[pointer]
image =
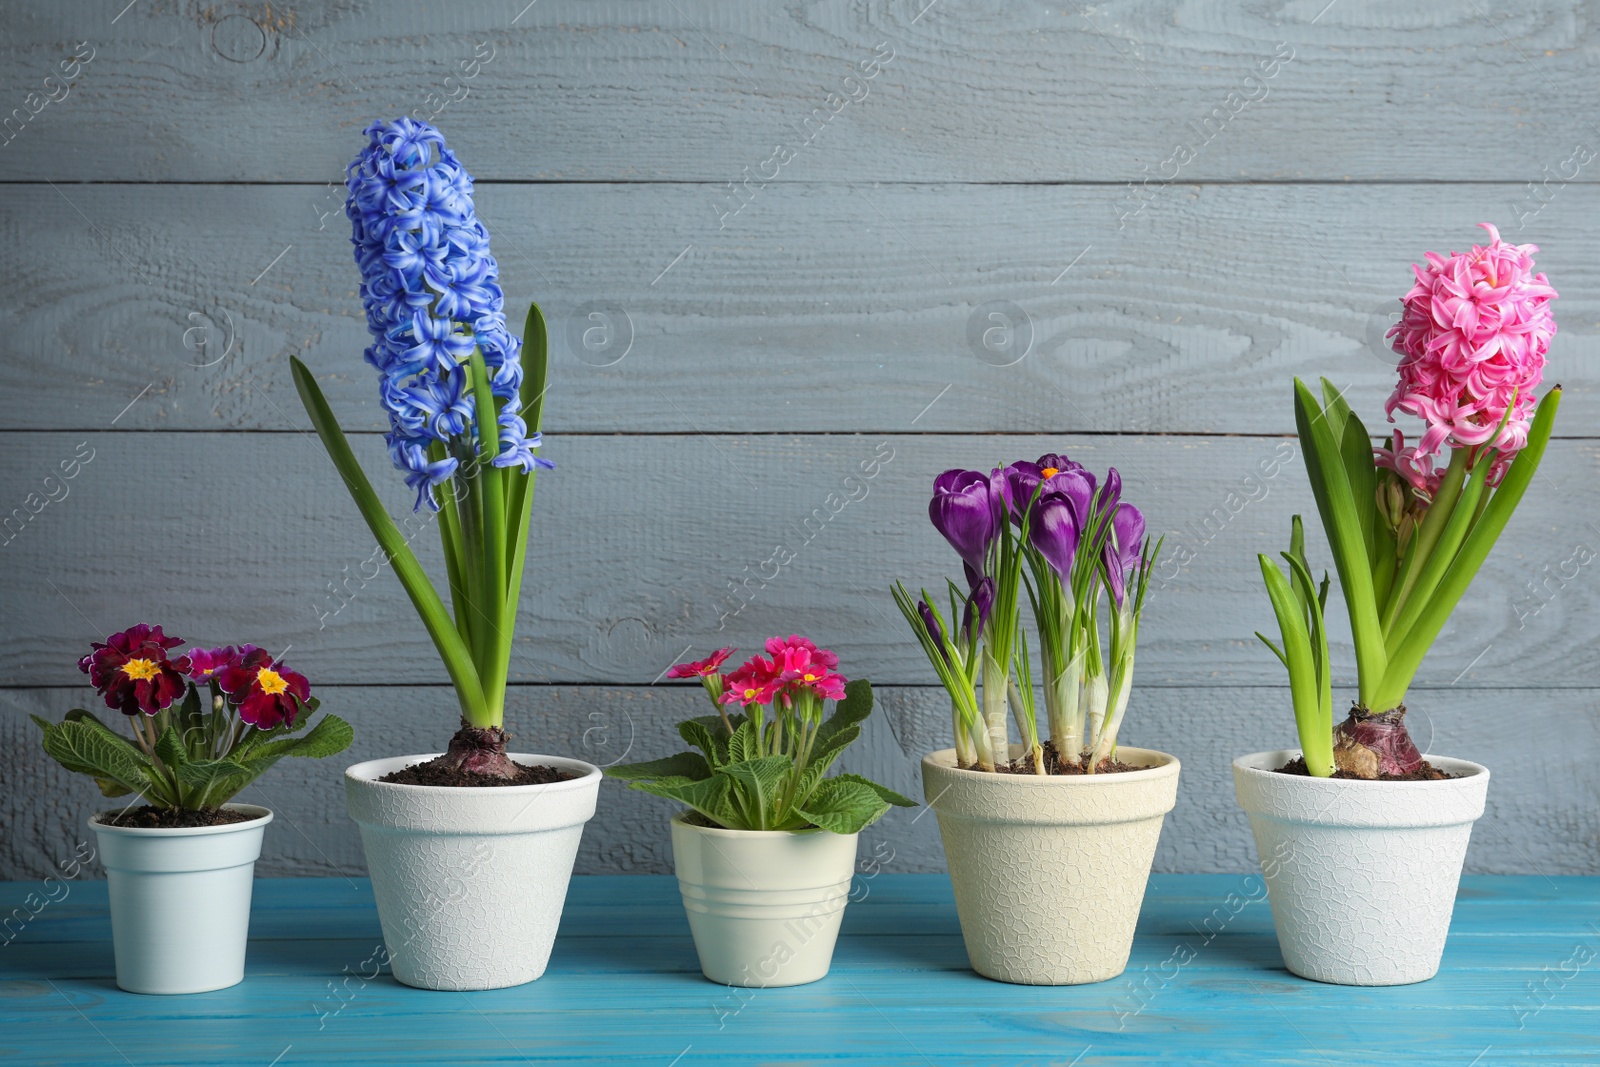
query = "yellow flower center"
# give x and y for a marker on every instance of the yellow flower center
(140, 670)
(749, 694)
(811, 677)
(1049, 472)
(271, 681)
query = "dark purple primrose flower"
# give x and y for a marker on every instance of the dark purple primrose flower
(1124, 545)
(963, 511)
(981, 598)
(931, 621)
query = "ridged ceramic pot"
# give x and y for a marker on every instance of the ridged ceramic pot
(180, 901)
(470, 882)
(1362, 875)
(764, 906)
(1049, 872)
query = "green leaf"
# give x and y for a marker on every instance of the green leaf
(1305, 681)
(1355, 448)
(330, 736)
(689, 765)
(1340, 520)
(89, 718)
(452, 649)
(80, 747)
(202, 773)
(709, 735)
(519, 495)
(170, 749)
(1408, 655)
(742, 744)
(761, 781)
(711, 797)
(884, 792)
(843, 807)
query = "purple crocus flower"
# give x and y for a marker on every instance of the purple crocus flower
(1053, 461)
(982, 599)
(1023, 478)
(1111, 492)
(1124, 546)
(962, 509)
(1054, 528)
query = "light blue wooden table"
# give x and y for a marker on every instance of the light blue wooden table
(1520, 984)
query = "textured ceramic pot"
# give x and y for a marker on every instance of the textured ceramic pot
(470, 882)
(180, 901)
(1050, 872)
(764, 905)
(1362, 875)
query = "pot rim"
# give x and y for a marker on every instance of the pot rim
(364, 774)
(681, 818)
(1263, 765)
(944, 760)
(263, 816)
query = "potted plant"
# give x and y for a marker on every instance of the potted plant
(180, 867)
(470, 851)
(1361, 839)
(1049, 843)
(765, 853)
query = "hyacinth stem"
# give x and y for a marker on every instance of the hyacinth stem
(497, 649)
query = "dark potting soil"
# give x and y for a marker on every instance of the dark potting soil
(430, 774)
(1054, 764)
(1425, 773)
(150, 817)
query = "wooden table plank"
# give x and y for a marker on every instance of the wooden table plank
(900, 992)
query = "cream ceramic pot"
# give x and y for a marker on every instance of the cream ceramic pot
(1049, 871)
(1362, 875)
(764, 906)
(180, 901)
(470, 882)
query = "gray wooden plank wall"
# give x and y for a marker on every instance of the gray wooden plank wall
(171, 232)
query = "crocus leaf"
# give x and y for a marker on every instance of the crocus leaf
(689, 765)
(843, 807)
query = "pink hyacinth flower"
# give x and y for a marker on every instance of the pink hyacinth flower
(1473, 334)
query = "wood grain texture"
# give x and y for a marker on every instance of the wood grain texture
(1540, 818)
(699, 90)
(622, 990)
(839, 307)
(648, 547)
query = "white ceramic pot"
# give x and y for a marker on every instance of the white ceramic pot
(180, 901)
(1362, 875)
(470, 882)
(1049, 871)
(764, 905)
